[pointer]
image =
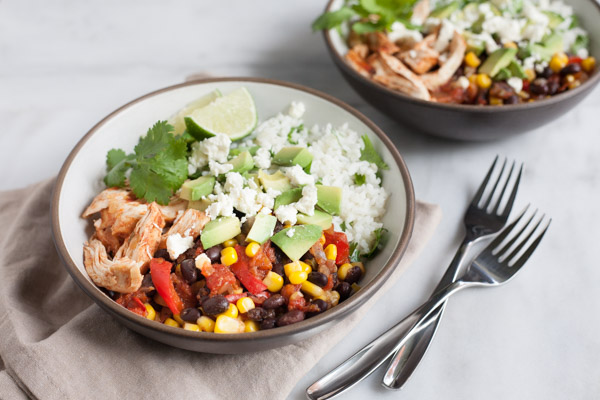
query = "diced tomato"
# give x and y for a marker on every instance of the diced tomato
(133, 303)
(575, 60)
(329, 285)
(526, 84)
(220, 279)
(260, 264)
(161, 278)
(184, 291)
(340, 240)
(296, 301)
(260, 297)
(234, 297)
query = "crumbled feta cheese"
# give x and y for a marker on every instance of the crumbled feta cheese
(202, 261)
(296, 110)
(298, 177)
(398, 31)
(286, 213)
(444, 36)
(463, 82)
(307, 202)
(290, 232)
(508, 29)
(219, 169)
(515, 83)
(262, 159)
(534, 32)
(533, 14)
(215, 148)
(529, 63)
(177, 244)
(233, 181)
(267, 200)
(222, 204)
(583, 53)
(570, 36)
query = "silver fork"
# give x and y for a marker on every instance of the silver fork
(479, 222)
(494, 266)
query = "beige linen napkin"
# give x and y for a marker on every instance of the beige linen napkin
(55, 343)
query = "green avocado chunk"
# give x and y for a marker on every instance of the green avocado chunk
(262, 229)
(288, 197)
(200, 205)
(195, 189)
(289, 156)
(220, 230)
(445, 11)
(277, 181)
(497, 60)
(243, 162)
(319, 218)
(302, 238)
(329, 199)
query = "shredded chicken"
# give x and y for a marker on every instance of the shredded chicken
(420, 12)
(415, 86)
(359, 64)
(120, 275)
(190, 223)
(457, 48)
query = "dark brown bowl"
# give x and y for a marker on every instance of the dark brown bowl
(469, 122)
(81, 175)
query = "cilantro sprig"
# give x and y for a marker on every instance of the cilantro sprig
(157, 168)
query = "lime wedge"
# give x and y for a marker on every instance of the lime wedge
(233, 115)
(177, 119)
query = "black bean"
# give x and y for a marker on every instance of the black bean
(189, 271)
(147, 281)
(278, 268)
(290, 317)
(112, 295)
(162, 253)
(570, 69)
(190, 253)
(539, 86)
(322, 304)
(317, 278)
(190, 314)
(238, 213)
(214, 253)
(353, 275)
(215, 305)
(344, 289)
(278, 227)
(274, 302)
(514, 99)
(546, 73)
(270, 313)
(268, 323)
(202, 295)
(256, 314)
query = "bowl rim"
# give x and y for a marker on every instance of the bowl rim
(589, 84)
(325, 318)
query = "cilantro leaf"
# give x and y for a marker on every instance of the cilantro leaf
(359, 179)
(370, 154)
(354, 252)
(343, 226)
(158, 166)
(332, 19)
(378, 243)
(292, 131)
(367, 27)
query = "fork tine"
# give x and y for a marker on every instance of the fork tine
(516, 236)
(512, 197)
(502, 235)
(519, 263)
(524, 241)
(479, 194)
(489, 200)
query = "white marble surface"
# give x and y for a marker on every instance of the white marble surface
(66, 64)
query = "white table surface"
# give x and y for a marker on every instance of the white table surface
(66, 64)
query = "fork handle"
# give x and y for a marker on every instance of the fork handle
(407, 357)
(369, 358)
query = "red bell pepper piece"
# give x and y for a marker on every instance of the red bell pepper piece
(234, 297)
(340, 240)
(161, 278)
(241, 270)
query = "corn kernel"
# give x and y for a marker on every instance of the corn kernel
(574, 84)
(297, 277)
(322, 239)
(273, 281)
(231, 311)
(150, 312)
(343, 270)
(205, 324)
(230, 243)
(178, 319)
(511, 45)
(252, 249)
(495, 101)
(314, 290)
(287, 225)
(483, 81)
(304, 267)
(558, 62)
(228, 256)
(355, 287)
(570, 78)
(472, 60)
(331, 252)
(171, 322)
(334, 298)
(191, 327)
(291, 267)
(588, 64)
(251, 326)
(473, 79)
(530, 74)
(245, 304)
(225, 324)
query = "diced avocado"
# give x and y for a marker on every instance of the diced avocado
(503, 74)
(497, 60)
(220, 230)
(517, 70)
(495, 9)
(445, 10)
(252, 150)
(554, 19)
(251, 177)
(329, 199)
(476, 46)
(243, 162)
(554, 43)
(288, 197)
(277, 181)
(262, 229)
(199, 205)
(299, 242)
(581, 42)
(289, 156)
(194, 189)
(318, 218)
